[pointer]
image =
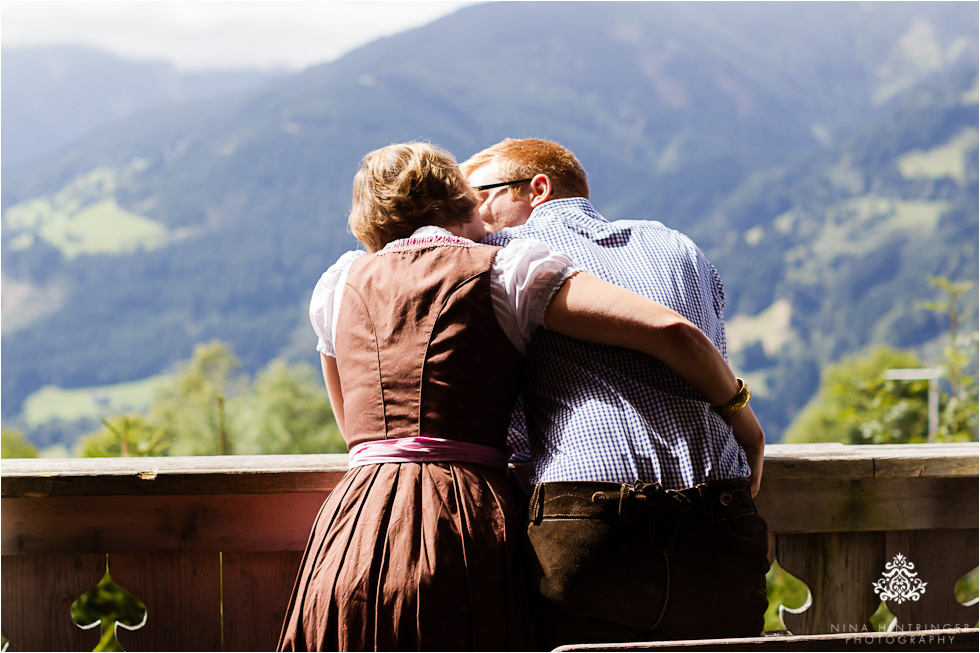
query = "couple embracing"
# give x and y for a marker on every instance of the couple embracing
(497, 316)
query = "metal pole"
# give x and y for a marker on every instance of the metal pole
(932, 375)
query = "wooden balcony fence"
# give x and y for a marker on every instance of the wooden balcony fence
(211, 545)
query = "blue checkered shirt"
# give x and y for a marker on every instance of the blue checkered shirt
(597, 413)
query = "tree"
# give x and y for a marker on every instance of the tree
(13, 445)
(857, 405)
(191, 407)
(288, 411)
(206, 408)
(125, 435)
(958, 420)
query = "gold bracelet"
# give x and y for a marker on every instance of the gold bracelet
(737, 403)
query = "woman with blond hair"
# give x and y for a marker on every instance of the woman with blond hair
(421, 338)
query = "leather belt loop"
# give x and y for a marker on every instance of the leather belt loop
(706, 505)
(624, 501)
(536, 512)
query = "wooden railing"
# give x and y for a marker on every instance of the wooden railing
(211, 545)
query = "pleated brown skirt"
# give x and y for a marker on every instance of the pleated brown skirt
(414, 556)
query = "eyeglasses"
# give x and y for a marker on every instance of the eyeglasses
(501, 183)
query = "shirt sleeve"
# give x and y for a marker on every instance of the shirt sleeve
(325, 304)
(524, 277)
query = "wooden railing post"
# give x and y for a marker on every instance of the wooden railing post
(181, 592)
(257, 576)
(840, 514)
(38, 591)
(180, 532)
(941, 557)
(839, 569)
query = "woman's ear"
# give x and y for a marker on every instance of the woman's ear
(540, 190)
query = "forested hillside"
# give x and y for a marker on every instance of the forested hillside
(824, 155)
(832, 253)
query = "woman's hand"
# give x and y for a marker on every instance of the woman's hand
(749, 434)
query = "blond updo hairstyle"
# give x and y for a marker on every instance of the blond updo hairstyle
(402, 187)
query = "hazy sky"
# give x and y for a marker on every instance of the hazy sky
(215, 34)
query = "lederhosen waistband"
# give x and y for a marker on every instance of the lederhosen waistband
(704, 503)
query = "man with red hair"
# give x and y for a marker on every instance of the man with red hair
(642, 524)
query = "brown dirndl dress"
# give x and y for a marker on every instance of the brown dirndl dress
(419, 556)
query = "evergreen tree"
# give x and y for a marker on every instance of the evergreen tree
(191, 408)
(207, 408)
(857, 405)
(288, 411)
(14, 445)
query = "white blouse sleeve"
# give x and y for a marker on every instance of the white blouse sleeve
(525, 275)
(325, 304)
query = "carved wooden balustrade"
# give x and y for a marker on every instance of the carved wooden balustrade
(211, 545)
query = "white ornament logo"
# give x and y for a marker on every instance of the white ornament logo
(899, 582)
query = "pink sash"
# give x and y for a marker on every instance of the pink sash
(425, 450)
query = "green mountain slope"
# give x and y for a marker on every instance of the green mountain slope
(711, 117)
(844, 242)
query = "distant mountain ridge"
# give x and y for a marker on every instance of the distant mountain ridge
(752, 127)
(56, 95)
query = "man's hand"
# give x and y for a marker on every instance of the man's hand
(749, 434)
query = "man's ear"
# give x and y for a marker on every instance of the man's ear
(540, 190)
